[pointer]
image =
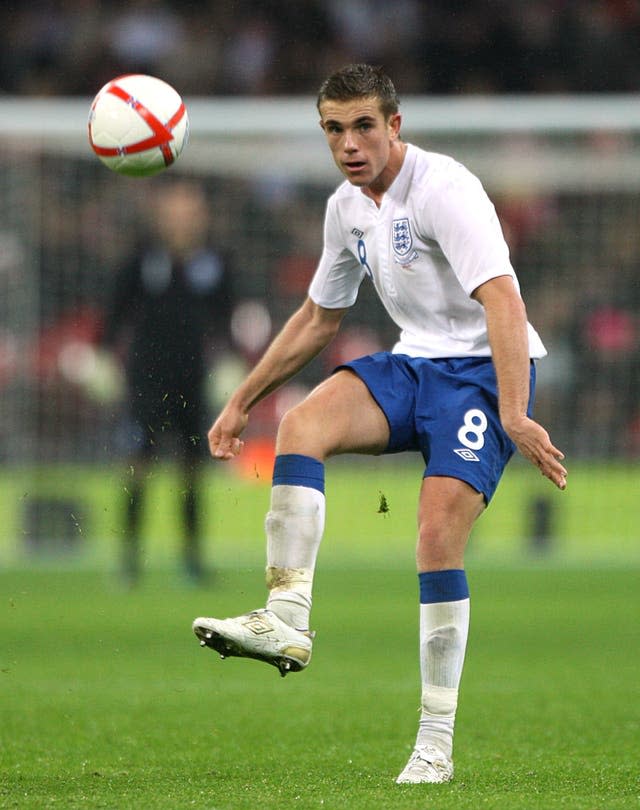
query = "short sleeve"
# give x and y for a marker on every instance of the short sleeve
(339, 274)
(466, 226)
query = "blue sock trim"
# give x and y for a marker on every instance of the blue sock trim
(443, 586)
(298, 471)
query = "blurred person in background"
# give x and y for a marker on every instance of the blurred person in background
(171, 308)
(457, 387)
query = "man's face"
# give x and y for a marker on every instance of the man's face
(182, 217)
(359, 137)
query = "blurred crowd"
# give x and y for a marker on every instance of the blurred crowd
(270, 47)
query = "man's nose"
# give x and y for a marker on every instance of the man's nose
(350, 144)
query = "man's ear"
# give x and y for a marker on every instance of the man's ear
(395, 122)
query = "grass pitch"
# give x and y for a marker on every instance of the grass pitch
(107, 701)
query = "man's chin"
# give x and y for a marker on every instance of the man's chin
(358, 182)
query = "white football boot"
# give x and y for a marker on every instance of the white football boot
(259, 634)
(427, 764)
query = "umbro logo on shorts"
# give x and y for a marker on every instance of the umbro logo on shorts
(466, 454)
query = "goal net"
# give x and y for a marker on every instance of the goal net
(564, 174)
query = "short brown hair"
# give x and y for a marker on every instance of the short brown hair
(360, 81)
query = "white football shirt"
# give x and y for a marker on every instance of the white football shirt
(435, 238)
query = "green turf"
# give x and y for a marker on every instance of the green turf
(595, 520)
(108, 702)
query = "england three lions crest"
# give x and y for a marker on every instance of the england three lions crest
(402, 241)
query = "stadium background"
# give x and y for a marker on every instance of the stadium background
(541, 102)
(105, 698)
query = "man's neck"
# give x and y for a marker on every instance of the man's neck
(383, 182)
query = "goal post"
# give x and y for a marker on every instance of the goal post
(225, 131)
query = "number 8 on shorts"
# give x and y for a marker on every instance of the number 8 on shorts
(471, 434)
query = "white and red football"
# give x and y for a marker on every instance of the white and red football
(138, 125)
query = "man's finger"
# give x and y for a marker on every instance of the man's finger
(227, 449)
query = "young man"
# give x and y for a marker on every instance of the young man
(457, 387)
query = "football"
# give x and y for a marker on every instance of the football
(138, 125)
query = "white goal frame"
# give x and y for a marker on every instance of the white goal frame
(533, 141)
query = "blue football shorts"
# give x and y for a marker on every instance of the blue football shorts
(447, 409)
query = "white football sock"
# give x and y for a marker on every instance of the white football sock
(294, 526)
(444, 627)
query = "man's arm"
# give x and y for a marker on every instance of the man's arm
(507, 328)
(303, 336)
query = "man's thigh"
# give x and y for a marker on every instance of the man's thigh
(338, 416)
(458, 424)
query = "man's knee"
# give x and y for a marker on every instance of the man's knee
(295, 422)
(299, 431)
(439, 547)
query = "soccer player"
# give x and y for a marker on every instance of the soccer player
(172, 302)
(457, 386)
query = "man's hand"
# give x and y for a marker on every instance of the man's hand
(303, 336)
(224, 436)
(533, 441)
